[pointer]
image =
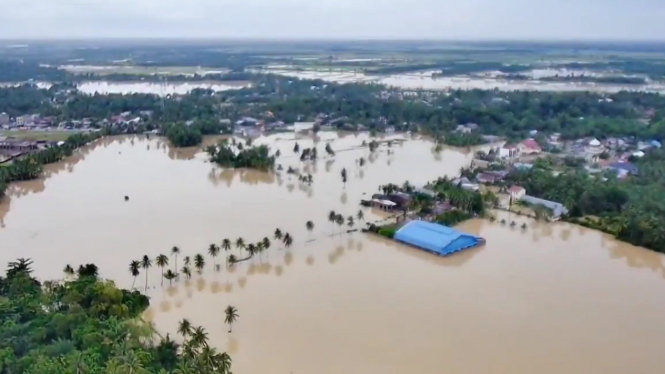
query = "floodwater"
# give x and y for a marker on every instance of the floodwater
(160, 89)
(551, 299)
(424, 80)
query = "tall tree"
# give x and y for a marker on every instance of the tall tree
(251, 249)
(175, 251)
(231, 315)
(344, 176)
(187, 261)
(162, 261)
(288, 240)
(265, 243)
(278, 234)
(199, 262)
(339, 220)
(134, 270)
(240, 244)
(199, 337)
(170, 275)
(360, 215)
(309, 225)
(226, 245)
(146, 264)
(187, 271)
(213, 251)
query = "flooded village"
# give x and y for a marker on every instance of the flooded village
(525, 292)
(331, 213)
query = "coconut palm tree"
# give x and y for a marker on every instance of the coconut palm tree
(309, 225)
(332, 216)
(360, 215)
(350, 221)
(162, 261)
(187, 260)
(278, 234)
(68, 270)
(133, 270)
(146, 264)
(240, 244)
(339, 220)
(512, 224)
(185, 366)
(175, 251)
(184, 328)
(208, 358)
(170, 275)
(213, 251)
(232, 259)
(265, 243)
(344, 176)
(288, 240)
(524, 226)
(251, 249)
(131, 364)
(226, 245)
(503, 221)
(199, 262)
(224, 363)
(231, 315)
(199, 337)
(187, 271)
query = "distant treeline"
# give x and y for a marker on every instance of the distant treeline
(16, 71)
(581, 78)
(118, 77)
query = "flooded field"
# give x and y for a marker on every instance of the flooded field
(424, 80)
(171, 88)
(551, 299)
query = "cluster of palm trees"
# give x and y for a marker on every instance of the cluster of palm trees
(199, 260)
(198, 354)
(336, 218)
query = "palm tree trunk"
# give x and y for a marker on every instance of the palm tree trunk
(146, 279)
(162, 275)
(133, 282)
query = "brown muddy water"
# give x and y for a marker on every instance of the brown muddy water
(554, 298)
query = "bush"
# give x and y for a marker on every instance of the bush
(453, 217)
(388, 232)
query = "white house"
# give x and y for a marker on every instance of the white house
(517, 192)
(509, 151)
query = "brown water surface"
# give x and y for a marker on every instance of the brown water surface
(553, 298)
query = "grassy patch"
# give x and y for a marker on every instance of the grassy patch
(38, 135)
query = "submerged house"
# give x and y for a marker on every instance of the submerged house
(437, 239)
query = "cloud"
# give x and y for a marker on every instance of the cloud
(431, 19)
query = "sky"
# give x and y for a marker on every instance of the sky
(335, 19)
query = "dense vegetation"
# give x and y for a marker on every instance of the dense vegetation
(235, 155)
(462, 139)
(509, 114)
(632, 210)
(86, 325)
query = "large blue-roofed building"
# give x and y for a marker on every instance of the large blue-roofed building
(438, 239)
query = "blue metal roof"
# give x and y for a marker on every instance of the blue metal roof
(435, 238)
